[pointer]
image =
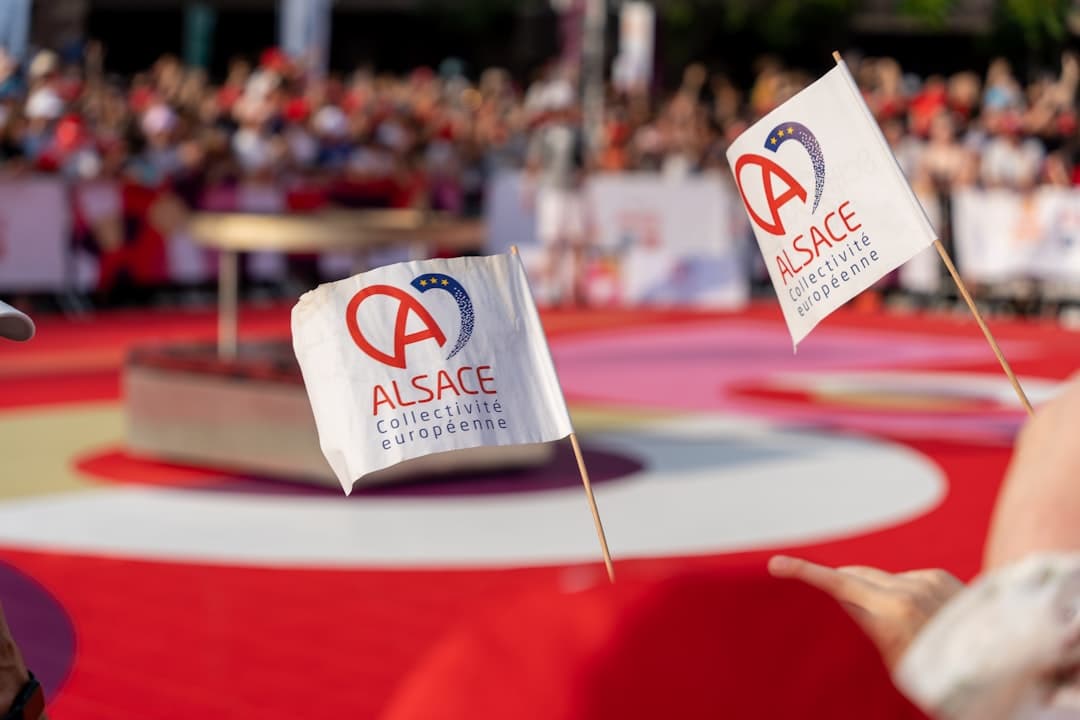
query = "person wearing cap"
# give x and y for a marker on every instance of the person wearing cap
(20, 693)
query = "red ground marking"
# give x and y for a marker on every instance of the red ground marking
(117, 466)
(170, 640)
(173, 640)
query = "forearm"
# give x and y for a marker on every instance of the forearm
(1038, 507)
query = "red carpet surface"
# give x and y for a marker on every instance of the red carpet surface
(715, 447)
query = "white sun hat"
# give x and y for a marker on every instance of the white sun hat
(15, 325)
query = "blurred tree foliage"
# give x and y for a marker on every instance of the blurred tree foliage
(515, 34)
(783, 21)
(697, 29)
(730, 33)
(470, 15)
(1039, 24)
(933, 14)
(780, 22)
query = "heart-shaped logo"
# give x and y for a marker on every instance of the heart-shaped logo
(408, 304)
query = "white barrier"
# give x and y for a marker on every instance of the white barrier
(652, 240)
(35, 224)
(667, 241)
(509, 213)
(1002, 235)
(922, 273)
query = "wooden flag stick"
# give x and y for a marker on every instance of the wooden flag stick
(592, 506)
(982, 326)
(975, 311)
(588, 488)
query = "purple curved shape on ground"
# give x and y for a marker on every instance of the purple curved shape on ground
(560, 472)
(40, 625)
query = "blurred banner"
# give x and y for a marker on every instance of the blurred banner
(34, 229)
(304, 32)
(664, 241)
(652, 240)
(1002, 235)
(922, 274)
(509, 213)
(633, 66)
(15, 27)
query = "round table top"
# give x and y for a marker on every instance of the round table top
(333, 230)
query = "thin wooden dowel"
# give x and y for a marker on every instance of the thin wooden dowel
(982, 326)
(975, 311)
(592, 506)
(588, 488)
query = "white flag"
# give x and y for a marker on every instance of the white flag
(424, 357)
(831, 209)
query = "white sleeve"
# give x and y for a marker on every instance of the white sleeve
(1008, 646)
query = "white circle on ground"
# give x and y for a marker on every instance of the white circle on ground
(709, 484)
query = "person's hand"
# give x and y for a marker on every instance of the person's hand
(13, 672)
(890, 608)
(1038, 507)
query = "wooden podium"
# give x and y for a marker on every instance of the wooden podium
(356, 231)
(242, 407)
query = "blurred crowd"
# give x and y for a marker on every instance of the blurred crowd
(946, 132)
(140, 151)
(370, 139)
(434, 136)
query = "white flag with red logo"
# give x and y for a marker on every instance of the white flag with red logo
(425, 357)
(830, 208)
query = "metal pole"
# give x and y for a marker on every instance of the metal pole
(304, 32)
(228, 299)
(593, 72)
(15, 27)
(199, 19)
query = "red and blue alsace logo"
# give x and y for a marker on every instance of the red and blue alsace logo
(425, 387)
(779, 187)
(410, 305)
(771, 172)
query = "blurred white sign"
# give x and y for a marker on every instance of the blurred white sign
(664, 242)
(633, 66)
(1001, 235)
(651, 240)
(35, 224)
